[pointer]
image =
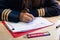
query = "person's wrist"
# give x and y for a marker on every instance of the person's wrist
(21, 16)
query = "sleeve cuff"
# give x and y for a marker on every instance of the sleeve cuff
(41, 12)
(37, 12)
(14, 16)
(9, 15)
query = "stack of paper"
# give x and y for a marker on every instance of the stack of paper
(38, 22)
(21, 28)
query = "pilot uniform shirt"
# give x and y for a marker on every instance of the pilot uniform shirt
(10, 9)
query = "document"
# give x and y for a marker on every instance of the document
(38, 22)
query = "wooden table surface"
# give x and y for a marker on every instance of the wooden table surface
(5, 35)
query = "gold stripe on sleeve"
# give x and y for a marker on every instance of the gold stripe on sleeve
(4, 14)
(41, 12)
(8, 15)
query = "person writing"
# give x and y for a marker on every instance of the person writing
(26, 10)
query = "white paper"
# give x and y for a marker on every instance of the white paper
(38, 22)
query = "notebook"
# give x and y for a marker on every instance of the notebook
(38, 22)
(19, 34)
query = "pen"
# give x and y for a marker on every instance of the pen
(57, 23)
(41, 34)
(58, 26)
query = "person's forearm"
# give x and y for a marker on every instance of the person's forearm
(9, 15)
(51, 9)
(6, 14)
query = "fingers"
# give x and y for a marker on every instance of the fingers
(26, 17)
(30, 15)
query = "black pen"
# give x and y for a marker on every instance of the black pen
(58, 26)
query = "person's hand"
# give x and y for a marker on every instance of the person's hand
(26, 17)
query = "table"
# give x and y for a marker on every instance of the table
(5, 35)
